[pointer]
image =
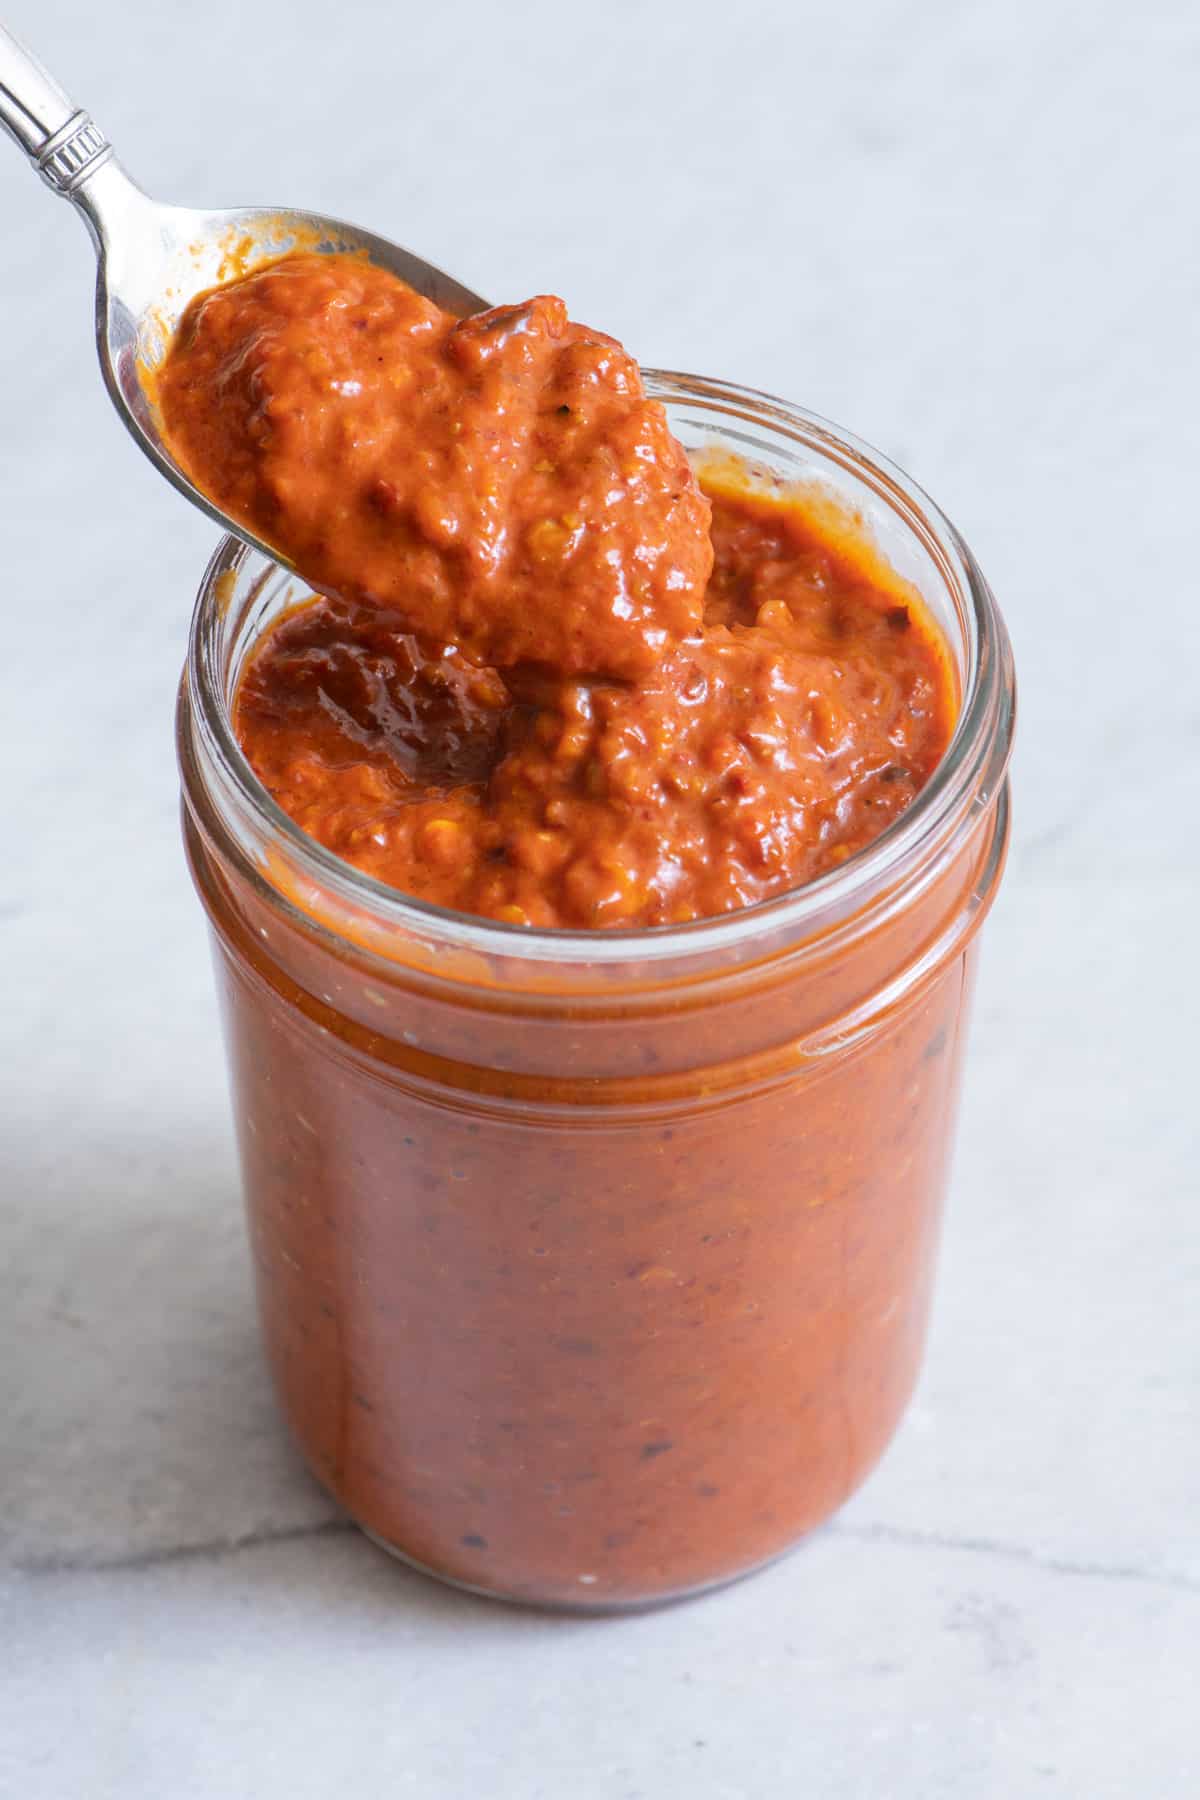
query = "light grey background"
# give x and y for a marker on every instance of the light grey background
(967, 231)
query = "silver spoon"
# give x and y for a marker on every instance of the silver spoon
(153, 258)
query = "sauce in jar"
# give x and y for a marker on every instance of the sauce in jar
(788, 733)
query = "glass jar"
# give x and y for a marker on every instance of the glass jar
(594, 1268)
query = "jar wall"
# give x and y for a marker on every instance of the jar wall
(594, 1356)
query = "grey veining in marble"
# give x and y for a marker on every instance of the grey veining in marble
(968, 232)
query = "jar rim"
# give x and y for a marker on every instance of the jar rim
(970, 773)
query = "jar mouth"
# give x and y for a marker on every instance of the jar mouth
(966, 781)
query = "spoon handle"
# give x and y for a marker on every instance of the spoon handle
(61, 142)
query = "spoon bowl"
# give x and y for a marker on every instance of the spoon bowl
(153, 259)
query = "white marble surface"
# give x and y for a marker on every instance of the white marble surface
(969, 232)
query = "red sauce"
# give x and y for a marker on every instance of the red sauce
(500, 482)
(541, 690)
(588, 1301)
(760, 752)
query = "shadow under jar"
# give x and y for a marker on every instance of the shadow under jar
(594, 1268)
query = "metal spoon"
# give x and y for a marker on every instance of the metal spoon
(153, 258)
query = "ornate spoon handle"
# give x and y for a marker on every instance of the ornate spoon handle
(61, 142)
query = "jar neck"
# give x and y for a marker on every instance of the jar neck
(451, 1018)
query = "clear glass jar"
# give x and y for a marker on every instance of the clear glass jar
(594, 1268)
